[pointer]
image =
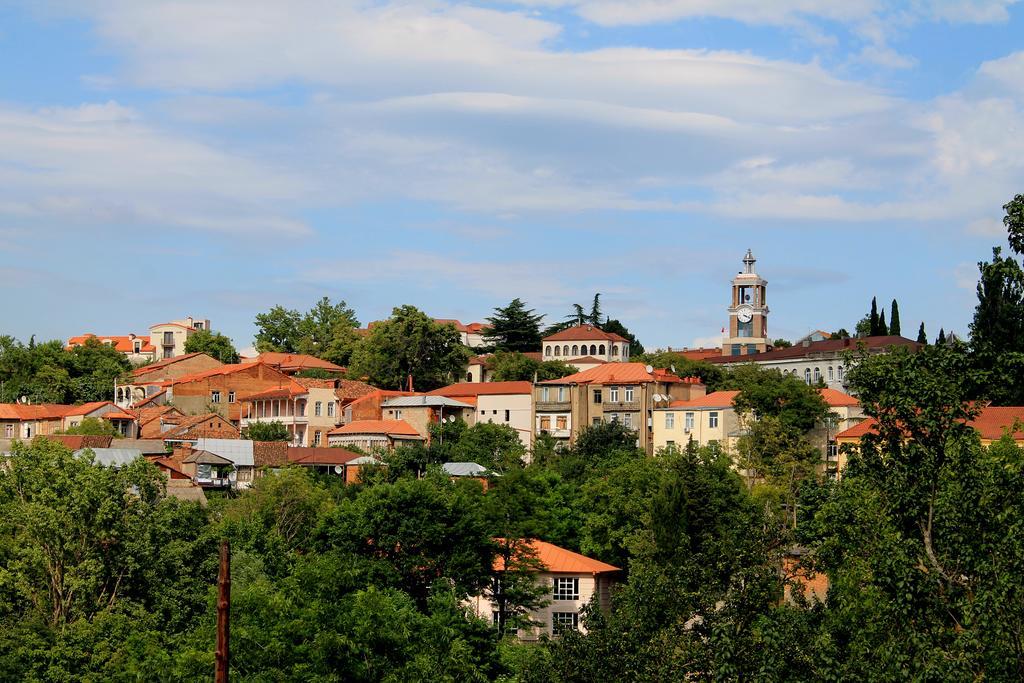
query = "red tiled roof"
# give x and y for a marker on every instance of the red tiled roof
(561, 561)
(838, 399)
(826, 346)
(472, 328)
(585, 360)
(716, 399)
(86, 408)
(584, 333)
(622, 373)
(118, 415)
(270, 453)
(858, 430)
(170, 464)
(350, 388)
(288, 391)
(213, 372)
(39, 411)
(191, 427)
(124, 344)
(296, 361)
(160, 364)
(316, 455)
(990, 424)
(388, 427)
(483, 389)
(77, 441)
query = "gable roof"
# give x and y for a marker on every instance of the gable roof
(990, 423)
(318, 455)
(238, 451)
(471, 328)
(228, 369)
(584, 360)
(838, 399)
(33, 411)
(463, 389)
(269, 453)
(827, 346)
(584, 333)
(192, 427)
(388, 427)
(206, 458)
(621, 373)
(296, 361)
(558, 560)
(123, 343)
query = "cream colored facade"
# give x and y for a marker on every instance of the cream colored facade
(596, 347)
(514, 410)
(704, 424)
(169, 338)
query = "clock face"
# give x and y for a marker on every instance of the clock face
(744, 314)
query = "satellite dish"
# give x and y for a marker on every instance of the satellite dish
(673, 368)
(338, 469)
(24, 399)
(649, 369)
(658, 398)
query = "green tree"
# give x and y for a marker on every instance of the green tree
(782, 343)
(768, 393)
(517, 367)
(410, 344)
(841, 333)
(496, 447)
(941, 339)
(873, 318)
(894, 319)
(266, 431)
(514, 328)
(278, 330)
(1014, 222)
(328, 331)
(712, 376)
(997, 331)
(595, 311)
(213, 344)
(616, 327)
(922, 338)
(94, 426)
(882, 329)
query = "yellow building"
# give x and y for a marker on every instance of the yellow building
(703, 420)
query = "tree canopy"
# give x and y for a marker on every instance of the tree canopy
(47, 373)
(213, 344)
(327, 331)
(514, 328)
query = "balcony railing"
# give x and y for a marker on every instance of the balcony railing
(609, 406)
(213, 482)
(553, 406)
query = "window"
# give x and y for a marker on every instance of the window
(832, 451)
(545, 394)
(751, 349)
(547, 350)
(561, 422)
(817, 375)
(615, 349)
(627, 419)
(561, 393)
(168, 353)
(745, 329)
(597, 395)
(575, 350)
(613, 394)
(231, 397)
(545, 423)
(564, 621)
(28, 431)
(276, 408)
(558, 350)
(625, 351)
(736, 349)
(613, 418)
(670, 444)
(168, 339)
(483, 412)
(629, 394)
(318, 408)
(600, 350)
(330, 410)
(508, 415)
(566, 588)
(214, 397)
(713, 420)
(807, 375)
(688, 421)
(840, 372)
(8, 431)
(396, 413)
(670, 420)
(137, 346)
(596, 421)
(316, 438)
(593, 349)
(565, 350)
(74, 423)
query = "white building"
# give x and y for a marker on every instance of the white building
(506, 403)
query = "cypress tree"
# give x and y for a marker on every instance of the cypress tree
(883, 329)
(873, 318)
(922, 338)
(941, 339)
(894, 319)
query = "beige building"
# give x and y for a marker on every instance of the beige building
(626, 393)
(373, 435)
(585, 342)
(421, 411)
(169, 338)
(572, 581)
(702, 420)
(506, 403)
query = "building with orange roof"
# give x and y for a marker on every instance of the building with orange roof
(614, 392)
(581, 341)
(371, 435)
(148, 381)
(505, 403)
(572, 580)
(471, 334)
(136, 348)
(169, 338)
(222, 389)
(293, 363)
(26, 421)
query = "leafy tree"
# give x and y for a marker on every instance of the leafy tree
(841, 333)
(769, 393)
(712, 376)
(326, 331)
(514, 328)
(595, 311)
(496, 447)
(410, 344)
(616, 327)
(779, 460)
(863, 328)
(278, 330)
(213, 344)
(782, 343)
(922, 338)
(1014, 222)
(997, 331)
(894, 319)
(516, 367)
(94, 426)
(267, 431)
(47, 373)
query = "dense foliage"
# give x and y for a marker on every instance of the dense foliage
(515, 366)
(213, 344)
(48, 373)
(514, 328)
(327, 331)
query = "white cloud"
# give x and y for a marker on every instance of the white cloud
(988, 227)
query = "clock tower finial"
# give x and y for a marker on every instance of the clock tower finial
(748, 314)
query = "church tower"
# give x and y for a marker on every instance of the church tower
(748, 314)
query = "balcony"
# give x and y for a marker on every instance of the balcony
(560, 433)
(620, 406)
(283, 419)
(554, 406)
(213, 482)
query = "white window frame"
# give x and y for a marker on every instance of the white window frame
(318, 408)
(688, 421)
(713, 419)
(627, 419)
(670, 420)
(613, 394)
(330, 409)
(565, 588)
(628, 395)
(215, 396)
(564, 621)
(231, 397)
(561, 394)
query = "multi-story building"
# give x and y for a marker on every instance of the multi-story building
(222, 389)
(137, 349)
(169, 338)
(27, 421)
(585, 342)
(421, 411)
(702, 420)
(472, 335)
(507, 403)
(626, 393)
(149, 380)
(373, 435)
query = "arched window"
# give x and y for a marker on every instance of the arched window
(575, 350)
(469, 376)
(615, 349)
(841, 372)
(600, 349)
(565, 350)
(547, 350)
(830, 374)
(120, 395)
(558, 350)
(807, 375)
(817, 375)
(625, 350)
(593, 349)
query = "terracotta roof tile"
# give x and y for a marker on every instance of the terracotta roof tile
(269, 453)
(826, 346)
(991, 423)
(160, 364)
(317, 455)
(585, 333)
(838, 399)
(296, 362)
(124, 344)
(621, 373)
(561, 561)
(389, 427)
(716, 399)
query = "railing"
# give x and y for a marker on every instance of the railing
(553, 406)
(214, 482)
(608, 406)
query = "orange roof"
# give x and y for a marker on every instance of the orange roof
(124, 344)
(716, 399)
(288, 391)
(858, 430)
(145, 369)
(296, 361)
(170, 464)
(584, 360)
(317, 455)
(222, 370)
(39, 411)
(584, 333)
(86, 408)
(838, 399)
(388, 427)
(621, 373)
(471, 327)
(561, 561)
(118, 415)
(483, 389)
(990, 424)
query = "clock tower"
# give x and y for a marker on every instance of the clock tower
(748, 314)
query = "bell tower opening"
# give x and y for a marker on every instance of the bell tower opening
(748, 314)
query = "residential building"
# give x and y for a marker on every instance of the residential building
(149, 381)
(26, 421)
(168, 339)
(191, 428)
(137, 349)
(337, 461)
(572, 580)
(287, 404)
(703, 420)
(585, 341)
(507, 403)
(222, 389)
(421, 411)
(815, 336)
(293, 363)
(826, 361)
(471, 335)
(747, 333)
(111, 457)
(155, 420)
(308, 407)
(371, 435)
(368, 406)
(613, 392)
(846, 412)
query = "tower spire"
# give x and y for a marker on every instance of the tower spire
(748, 262)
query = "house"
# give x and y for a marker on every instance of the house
(573, 579)
(155, 420)
(991, 423)
(815, 336)
(241, 453)
(614, 392)
(222, 389)
(582, 341)
(191, 428)
(169, 338)
(308, 407)
(293, 363)
(370, 435)
(26, 421)
(149, 380)
(368, 406)
(469, 470)
(419, 412)
(136, 348)
(336, 461)
(149, 448)
(507, 403)
(823, 361)
(703, 420)
(471, 335)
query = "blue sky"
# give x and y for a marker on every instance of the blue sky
(160, 159)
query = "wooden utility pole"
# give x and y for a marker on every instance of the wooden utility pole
(223, 612)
